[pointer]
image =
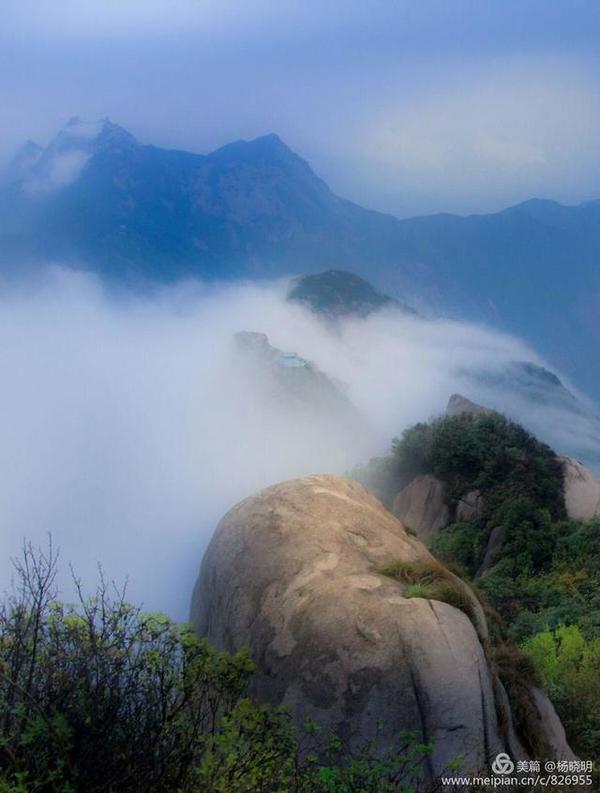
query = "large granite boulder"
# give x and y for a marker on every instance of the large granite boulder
(292, 574)
(421, 506)
(581, 489)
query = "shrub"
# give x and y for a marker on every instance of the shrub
(457, 595)
(520, 480)
(462, 544)
(485, 452)
(419, 591)
(569, 665)
(518, 674)
(556, 583)
(428, 579)
(100, 696)
(103, 696)
(422, 571)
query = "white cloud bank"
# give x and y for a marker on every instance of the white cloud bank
(128, 427)
(487, 137)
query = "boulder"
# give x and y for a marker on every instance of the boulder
(292, 574)
(581, 489)
(493, 549)
(470, 506)
(421, 506)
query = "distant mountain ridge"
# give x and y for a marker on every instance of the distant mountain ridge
(97, 198)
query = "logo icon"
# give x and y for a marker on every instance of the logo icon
(503, 764)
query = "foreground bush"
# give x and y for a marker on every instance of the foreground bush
(570, 668)
(100, 696)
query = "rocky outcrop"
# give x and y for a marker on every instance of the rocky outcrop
(296, 389)
(470, 506)
(293, 379)
(293, 574)
(421, 506)
(493, 549)
(554, 731)
(581, 489)
(459, 405)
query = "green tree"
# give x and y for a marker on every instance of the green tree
(570, 668)
(100, 696)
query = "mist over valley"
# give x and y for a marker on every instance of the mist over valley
(132, 422)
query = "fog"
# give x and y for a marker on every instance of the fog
(130, 425)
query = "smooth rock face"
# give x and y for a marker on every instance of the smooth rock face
(493, 549)
(421, 506)
(554, 731)
(582, 490)
(291, 574)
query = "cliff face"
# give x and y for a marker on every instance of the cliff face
(300, 574)
(421, 506)
(582, 490)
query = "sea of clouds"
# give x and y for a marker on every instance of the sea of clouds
(129, 427)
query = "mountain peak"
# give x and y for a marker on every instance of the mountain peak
(109, 131)
(23, 160)
(39, 170)
(266, 146)
(269, 141)
(87, 136)
(77, 130)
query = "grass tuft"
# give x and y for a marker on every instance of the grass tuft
(423, 571)
(518, 674)
(456, 595)
(419, 591)
(427, 578)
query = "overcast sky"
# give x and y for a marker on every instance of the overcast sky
(408, 106)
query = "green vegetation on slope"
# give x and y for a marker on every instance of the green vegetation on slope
(570, 668)
(430, 580)
(484, 452)
(545, 577)
(336, 293)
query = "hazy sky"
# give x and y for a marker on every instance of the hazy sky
(409, 106)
